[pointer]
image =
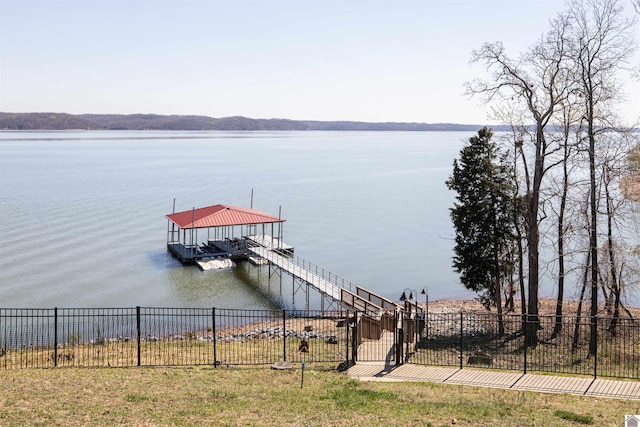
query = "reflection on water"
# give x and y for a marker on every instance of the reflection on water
(83, 224)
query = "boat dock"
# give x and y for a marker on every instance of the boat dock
(242, 234)
(229, 232)
(246, 234)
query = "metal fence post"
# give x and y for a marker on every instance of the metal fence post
(354, 340)
(284, 336)
(398, 335)
(526, 340)
(215, 355)
(595, 352)
(55, 336)
(138, 327)
(347, 340)
(461, 341)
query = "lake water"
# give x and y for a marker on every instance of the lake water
(82, 213)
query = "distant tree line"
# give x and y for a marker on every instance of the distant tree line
(62, 121)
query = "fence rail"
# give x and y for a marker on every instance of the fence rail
(147, 336)
(459, 339)
(34, 338)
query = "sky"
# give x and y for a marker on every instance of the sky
(362, 60)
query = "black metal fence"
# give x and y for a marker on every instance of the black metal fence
(461, 340)
(187, 336)
(31, 338)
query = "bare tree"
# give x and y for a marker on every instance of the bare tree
(585, 282)
(569, 114)
(516, 138)
(602, 44)
(613, 164)
(533, 83)
(574, 67)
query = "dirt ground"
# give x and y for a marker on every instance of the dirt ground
(547, 306)
(630, 186)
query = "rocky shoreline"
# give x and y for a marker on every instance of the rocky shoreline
(327, 329)
(547, 307)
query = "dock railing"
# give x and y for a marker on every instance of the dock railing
(376, 299)
(324, 274)
(360, 304)
(324, 280)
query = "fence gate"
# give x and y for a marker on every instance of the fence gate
(379, 336)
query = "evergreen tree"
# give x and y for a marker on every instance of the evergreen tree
(483, 218)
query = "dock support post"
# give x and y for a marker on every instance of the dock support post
(293, 291)
(307, 295)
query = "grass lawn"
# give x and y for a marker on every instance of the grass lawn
(260, 396)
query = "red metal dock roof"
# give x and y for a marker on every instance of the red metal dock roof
(220, 216)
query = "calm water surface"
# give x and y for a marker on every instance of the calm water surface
(82, 212)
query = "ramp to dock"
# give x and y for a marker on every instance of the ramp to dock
(339, 289)
(323, 285)
(379, 317)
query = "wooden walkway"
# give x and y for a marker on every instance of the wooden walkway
(618, 389)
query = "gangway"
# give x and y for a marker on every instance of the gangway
(321, 284)
(335, 287)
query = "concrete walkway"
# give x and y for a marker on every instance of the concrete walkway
(618, 389)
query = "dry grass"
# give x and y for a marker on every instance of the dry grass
(167, 352)
(208, 396)
(245, 396)
(249, 344)
(242, 344)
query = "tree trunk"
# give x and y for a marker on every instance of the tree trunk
(496, 268)
(533, 238)
(523, 294)
(557, 328)
(518, 228)
(576, 327)
(615, 285)
(499, 307)
(593, 241)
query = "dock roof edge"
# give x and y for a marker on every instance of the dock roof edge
(220, 216)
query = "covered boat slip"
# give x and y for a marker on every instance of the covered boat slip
(222, 231)
(248, 234)
(234, 233)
